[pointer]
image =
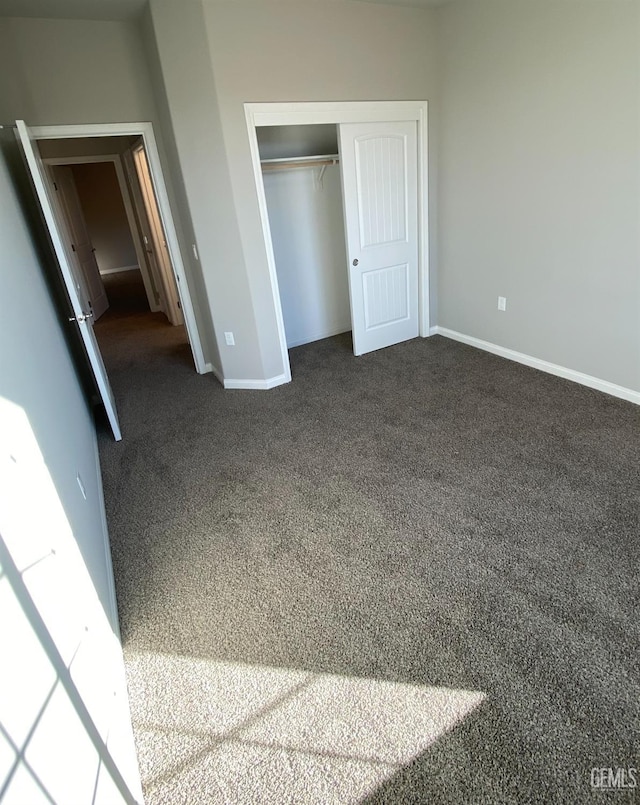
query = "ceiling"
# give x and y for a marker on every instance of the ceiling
(125, 9)
(73, 9)
(415, 3)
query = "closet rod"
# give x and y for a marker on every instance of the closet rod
(321, 161)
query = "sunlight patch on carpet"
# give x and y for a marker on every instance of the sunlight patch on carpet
(241, 733)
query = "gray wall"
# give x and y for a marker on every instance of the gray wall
(13, 88)
(85, 146)
(57, 587)
(178, 50)
(77, 71)
(307, 231)
(539, 173)
(284, 142)
(36, 374)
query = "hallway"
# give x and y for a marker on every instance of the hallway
(137, 344)
(126, 293)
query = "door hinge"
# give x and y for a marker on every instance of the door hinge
(55, 187)
(73, 248)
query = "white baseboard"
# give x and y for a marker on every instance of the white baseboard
(118, 270)
(337, 330)
(260, 385)
(613, 389)
(257, 385)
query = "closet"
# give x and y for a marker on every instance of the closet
(302, 184)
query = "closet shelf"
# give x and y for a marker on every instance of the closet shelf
(290, 163)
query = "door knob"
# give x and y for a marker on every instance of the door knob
(83, 317)
(355, 262)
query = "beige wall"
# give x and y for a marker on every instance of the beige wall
(539, 173)
(105, 216)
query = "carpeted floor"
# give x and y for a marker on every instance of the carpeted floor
(126, 295)
(409, 577)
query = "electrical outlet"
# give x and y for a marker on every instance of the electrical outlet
(229, 339)
(502, 303)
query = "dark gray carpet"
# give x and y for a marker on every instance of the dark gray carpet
(126, 294)
(406, 577)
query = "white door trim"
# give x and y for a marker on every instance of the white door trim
(292, 114)
(116, 160)
(162, 259)
(145, 130)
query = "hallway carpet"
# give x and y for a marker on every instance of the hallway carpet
(409, 577)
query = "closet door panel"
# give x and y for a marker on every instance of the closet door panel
(379, 163)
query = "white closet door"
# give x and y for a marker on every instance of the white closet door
(379, 164)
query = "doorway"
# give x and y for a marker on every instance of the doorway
(301, 180)
(169, 273)
(379, 286)
(110, 198)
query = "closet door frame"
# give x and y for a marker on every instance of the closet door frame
(310, 113)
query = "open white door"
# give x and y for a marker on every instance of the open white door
(82, 317)
(159, 253)
(148, 263)
(78, 240)
(379, 164)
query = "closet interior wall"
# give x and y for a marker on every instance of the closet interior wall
(307, 229)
